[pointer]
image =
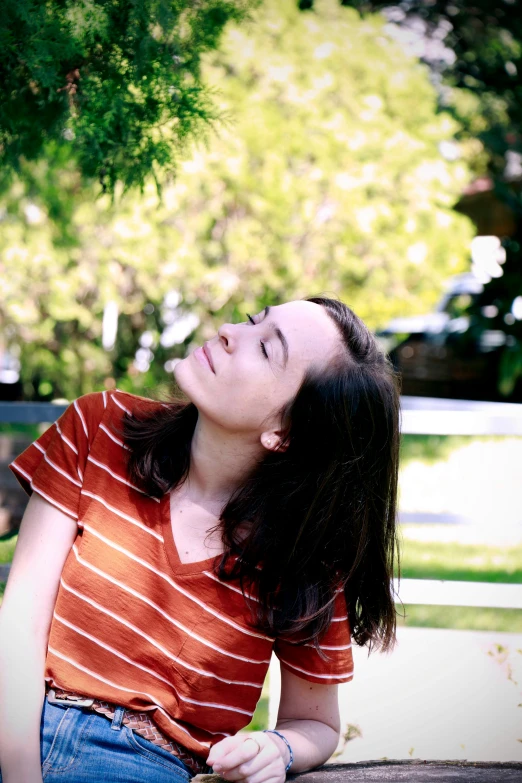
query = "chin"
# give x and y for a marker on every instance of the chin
(189, 384)
(183, 377)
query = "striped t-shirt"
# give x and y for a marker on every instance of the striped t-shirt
(132, 624)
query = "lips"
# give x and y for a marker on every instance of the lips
(207, 353)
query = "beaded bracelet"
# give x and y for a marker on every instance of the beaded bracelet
(273, 731)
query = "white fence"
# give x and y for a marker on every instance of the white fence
(433, 416)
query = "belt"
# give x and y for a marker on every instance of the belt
(139, 722)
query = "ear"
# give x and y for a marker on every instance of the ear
(272, 440)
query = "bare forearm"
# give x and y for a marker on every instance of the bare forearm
(44, 541)
(21, 698)
(312, 742)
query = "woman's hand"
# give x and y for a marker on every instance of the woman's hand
(254, 758)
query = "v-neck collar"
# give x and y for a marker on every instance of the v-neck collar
(171, 549)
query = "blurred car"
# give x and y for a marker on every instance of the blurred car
(10, 384)
(439, 355)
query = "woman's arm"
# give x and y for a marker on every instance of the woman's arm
(45, 539)
(309, 719)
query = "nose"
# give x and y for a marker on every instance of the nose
(226, 334)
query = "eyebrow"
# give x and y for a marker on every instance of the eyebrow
(277, 331)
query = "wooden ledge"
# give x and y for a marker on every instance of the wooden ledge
(415, 771)
(407, 771)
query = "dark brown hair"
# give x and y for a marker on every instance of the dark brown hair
(321, 514)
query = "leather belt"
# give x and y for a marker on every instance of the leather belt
(139, 722)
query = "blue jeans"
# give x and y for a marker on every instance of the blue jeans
(81, 746)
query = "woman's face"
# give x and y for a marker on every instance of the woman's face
(247, 388)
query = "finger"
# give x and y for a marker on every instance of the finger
(221, 748)
(268, 762)
(247, 768)
(248, 749)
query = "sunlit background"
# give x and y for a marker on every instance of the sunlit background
(369, 153)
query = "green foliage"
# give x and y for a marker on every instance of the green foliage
(486, 39)
(119, 82)
(259, 720)
(483, 90)
(7, 547)
(501, 292)
(334, 170)
(328, 178)
(30, 431)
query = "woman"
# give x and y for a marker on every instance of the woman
(167, 549)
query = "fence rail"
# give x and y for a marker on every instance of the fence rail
(420, 416)
(438, 592)
(30, 412)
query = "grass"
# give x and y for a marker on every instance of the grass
(430, 448)
(428, 560)
(460, 562)
(461, 618)
(422, 560)
(437, 448)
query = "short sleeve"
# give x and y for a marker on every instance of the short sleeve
(304, 660)
(54, 464)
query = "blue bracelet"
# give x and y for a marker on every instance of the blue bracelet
(273, 731)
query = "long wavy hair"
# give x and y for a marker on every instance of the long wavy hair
(320, 513)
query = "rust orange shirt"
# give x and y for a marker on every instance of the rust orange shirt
(132, 624)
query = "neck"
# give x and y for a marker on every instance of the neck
(220, 462)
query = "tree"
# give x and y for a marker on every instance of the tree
(328, 178)
(478, 58)
(477, 48)
(119, 82)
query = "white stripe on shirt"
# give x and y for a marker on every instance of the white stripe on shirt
(43, 494)
(313, 674)
(177, 587)
(137, 665)
(110, 649)
(119, 404)
(80, 414)
(113, 437)
(122, 514)
(65, 438)
(152, 641)
(160, 707)
(62, 472)
(120, 478)
(176, 623)
(231, 587)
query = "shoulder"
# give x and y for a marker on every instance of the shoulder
(112, 406)
(131, 404)
(106, 408)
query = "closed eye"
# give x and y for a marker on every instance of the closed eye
(263, 349)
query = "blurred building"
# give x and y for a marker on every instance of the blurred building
(441, 354)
